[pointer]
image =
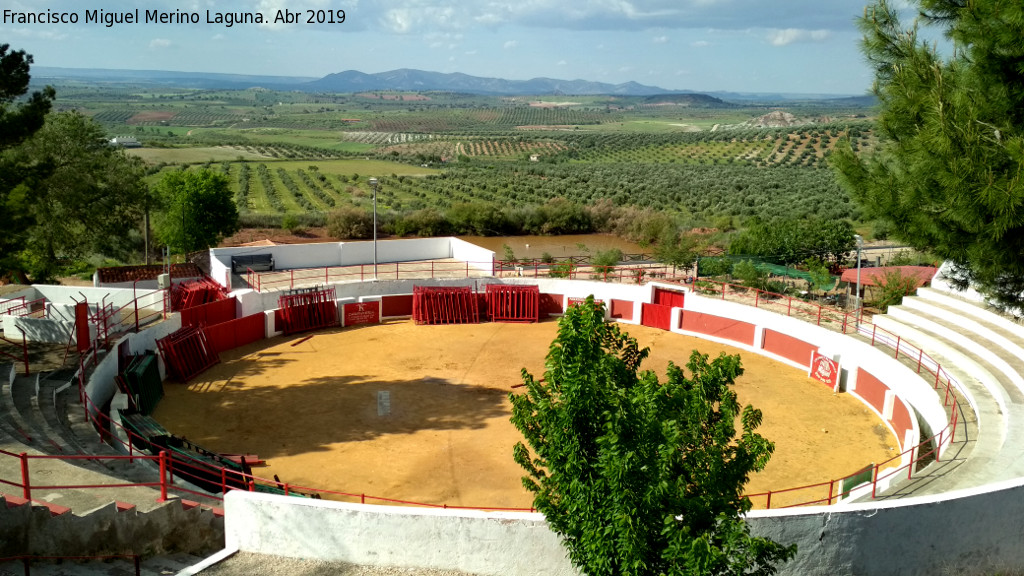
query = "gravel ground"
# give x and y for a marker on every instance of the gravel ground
(247, 564)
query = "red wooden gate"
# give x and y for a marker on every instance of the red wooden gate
(186, 352)
(656, 316)
(669, 297)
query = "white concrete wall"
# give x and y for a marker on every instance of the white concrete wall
(477, 256)
(408, 250)
(71, 294)
(506, 544)
(972, 531)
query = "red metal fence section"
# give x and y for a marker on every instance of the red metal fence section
(444, 305)
(308, 311)
(210, 313)
(195, 292)
(669, 297)
(234, 333)
(186, 352)
(513, 303)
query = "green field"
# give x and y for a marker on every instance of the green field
(699, 160)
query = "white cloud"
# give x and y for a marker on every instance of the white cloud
(157, 43)
(561, 63)
(782, 37)
(32, 33)
(510, 44)
(700, 44)
(660, 39)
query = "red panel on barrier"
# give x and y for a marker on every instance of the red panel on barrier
(669, 297)
(788, 347)
(234, 333)
(513, 303)
(82, 327)
(551, 304)
(396, 305)
(210, 313)
(720, 327)
(361, 313)
(656, 316)
(901, 420)
(622, 309)
(871, 389)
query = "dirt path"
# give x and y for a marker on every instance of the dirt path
(421, 413)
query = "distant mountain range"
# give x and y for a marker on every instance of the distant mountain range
(401, 80)
(419, 80)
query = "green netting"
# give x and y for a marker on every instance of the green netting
(774, 269)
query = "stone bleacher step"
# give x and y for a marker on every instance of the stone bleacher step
(48, 439)
(11, 420)
(1005, 343)
(972, 344)
(971, 308)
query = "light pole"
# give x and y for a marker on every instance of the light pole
(373, 183)
(860, 244)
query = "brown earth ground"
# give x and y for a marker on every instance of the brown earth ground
(313, 410)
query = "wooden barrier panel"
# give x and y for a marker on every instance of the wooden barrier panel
(719, 327)
(234, 333)
(667, 297)
(787, 346)
(400, 305)
(210, 313)
(83, 341)
(656, 316)
(550, 304)
(871, 389)
(901, 419)
(622, 309)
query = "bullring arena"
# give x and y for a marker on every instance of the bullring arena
(906, 462)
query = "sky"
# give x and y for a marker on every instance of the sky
(790, 46)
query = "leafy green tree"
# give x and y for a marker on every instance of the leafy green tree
(18, 122)
(946, 171)
(640, 476)
(198, 210)
(679, 250)
(818, 274)
(90, 201)
(349, 222)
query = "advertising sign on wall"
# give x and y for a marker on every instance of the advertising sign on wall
(824, 370)
(361, 313)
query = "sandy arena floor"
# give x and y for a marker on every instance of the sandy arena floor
(421, 413)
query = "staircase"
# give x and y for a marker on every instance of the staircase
(41, 415)
(984, 351)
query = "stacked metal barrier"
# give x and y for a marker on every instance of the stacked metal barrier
(307, 310)
(445, 305)
(507, 303)
(186, 352)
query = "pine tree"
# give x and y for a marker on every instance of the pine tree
(947, 172)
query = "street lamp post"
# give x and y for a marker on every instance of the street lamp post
(860, 244)
(373, 184)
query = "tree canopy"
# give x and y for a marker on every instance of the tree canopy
(87, 198)
(947, 172)
(198, 210)
(17, 124)
(640, 476)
